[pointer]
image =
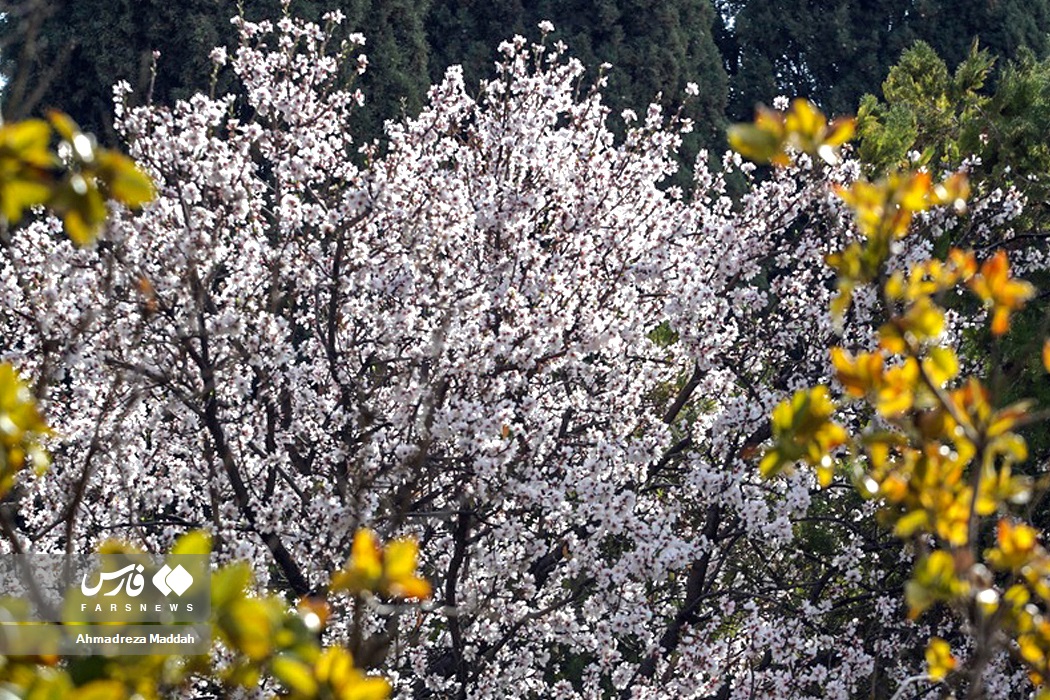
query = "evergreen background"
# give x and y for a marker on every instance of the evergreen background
(739, 52)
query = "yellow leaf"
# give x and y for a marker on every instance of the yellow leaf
(229, 584)
(295, 676)
(193, 542)
(1046, 355)
(955, 191)
(335, 666)
(250, 625)
(803, 127)
(399, 558)
(934, 579)
(770, 464)
(840, 131)
(1017, 596)
(840, 304)
(913, 194)
(368, 688)
(1015, 546)
(100, 690)
(996, 289)
(754, 143)
(894, 488)
(1030, 650)
(802, 430)
(939, 658)
(964, 263)
(27, 140)
(63, 124)
(941, 365)
(911, 523)
(365, 568)
(21, 428)
(804, 119)
(897, 393)
(857, 376)
(123, 180)
(1000, 320)
(825, 473)
(1001, 421)
(19, 193)
(399, 570)
(924, 320)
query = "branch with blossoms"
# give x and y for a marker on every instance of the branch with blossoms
(259, 633)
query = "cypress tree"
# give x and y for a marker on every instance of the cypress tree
(831, 52)
(835, 51)
(83, 47)
(653, 48)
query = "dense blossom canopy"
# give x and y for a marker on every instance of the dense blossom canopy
(499, 332)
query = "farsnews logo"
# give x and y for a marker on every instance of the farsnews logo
(130, 580)
(116, 602)
(168, 580)
(130, 575)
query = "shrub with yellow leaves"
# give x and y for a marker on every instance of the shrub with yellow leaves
(802, 128)
(389, 571)
(262, 634)
(73, 180)
(269, 639)
(941, 456)
(21, 428)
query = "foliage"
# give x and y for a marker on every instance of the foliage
(71, 52)
(940, 458)
(73, 181)
(450, 339)
(23, 428)
(830, 52)
(998, 133)
(259, 637)
(835, 52)
(390, 570)
(67, 55)
(76, 51)
(944, 117)
(802, 128)
(645, 51)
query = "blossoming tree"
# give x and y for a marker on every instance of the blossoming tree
(498, 332)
